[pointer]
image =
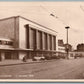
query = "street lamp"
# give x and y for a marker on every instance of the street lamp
(67, 47)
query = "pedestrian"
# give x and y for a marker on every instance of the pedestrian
(24, 59)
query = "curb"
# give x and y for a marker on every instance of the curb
(27, 63)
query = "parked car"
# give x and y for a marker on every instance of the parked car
(39, 58)
(78, 55)
(62, 56)
(55, 56)
(47, 57)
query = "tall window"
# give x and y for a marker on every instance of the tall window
(45, 41)
(39, 39)
(54, 42)
(33, 38)
(50, 42)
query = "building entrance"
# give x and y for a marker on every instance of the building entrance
(7, 55)
(0, 56)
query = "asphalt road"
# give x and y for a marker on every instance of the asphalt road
(56, 69)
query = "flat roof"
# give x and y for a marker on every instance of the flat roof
(30, 21)
(37, 24)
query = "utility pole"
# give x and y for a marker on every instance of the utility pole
(67, 45)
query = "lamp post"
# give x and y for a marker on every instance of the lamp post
(67, 47)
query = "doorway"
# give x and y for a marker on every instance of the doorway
(7, 55)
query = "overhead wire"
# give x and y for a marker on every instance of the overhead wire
(58, 18)
(53, 15)
(48, 12)
(81, 8)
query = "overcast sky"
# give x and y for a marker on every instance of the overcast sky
(68, 13)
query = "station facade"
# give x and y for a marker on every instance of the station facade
(20, 36)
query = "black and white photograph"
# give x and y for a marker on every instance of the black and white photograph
(42, 40)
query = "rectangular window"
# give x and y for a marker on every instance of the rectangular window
(39, 39)
(45, 41)
(33, 38)
(2, 42)
(54, 42)
(10, 43)
(50, 39)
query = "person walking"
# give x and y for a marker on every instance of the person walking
(24, 59)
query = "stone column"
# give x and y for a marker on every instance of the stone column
(16, 32)
(28, 36)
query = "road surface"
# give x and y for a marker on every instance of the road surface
(56, 69)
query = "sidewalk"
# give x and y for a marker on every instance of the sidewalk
(29, 61)
(17, 62)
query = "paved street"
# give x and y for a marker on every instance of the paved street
(56, 69)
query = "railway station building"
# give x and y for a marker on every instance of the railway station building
(20, 36)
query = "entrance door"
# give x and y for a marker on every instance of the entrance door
(7, 55)
(0, 56)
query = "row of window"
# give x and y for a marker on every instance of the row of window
(6, 42)
(41, 40)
